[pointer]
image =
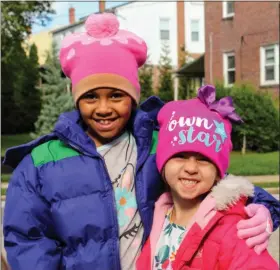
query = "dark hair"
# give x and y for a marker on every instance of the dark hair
(166, 186)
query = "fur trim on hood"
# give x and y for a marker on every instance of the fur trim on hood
(229, 190)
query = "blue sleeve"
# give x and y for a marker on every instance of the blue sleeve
(272, 204)
(29, 236)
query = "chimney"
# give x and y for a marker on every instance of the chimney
(101, 6)
(180, 31)
(71, 15)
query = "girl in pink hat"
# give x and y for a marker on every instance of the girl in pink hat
(83, 196)
(195, 222)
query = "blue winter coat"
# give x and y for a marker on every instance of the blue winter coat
(60, 210)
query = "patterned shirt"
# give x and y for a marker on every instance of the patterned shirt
(120, 157)
(168, 243)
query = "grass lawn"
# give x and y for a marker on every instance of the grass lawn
(13, 140)
(3, 191)
(254, 163)
(5, 178)
(267, 185)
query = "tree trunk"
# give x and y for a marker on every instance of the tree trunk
(244, 145)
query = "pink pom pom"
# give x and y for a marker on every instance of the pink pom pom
(102, 25)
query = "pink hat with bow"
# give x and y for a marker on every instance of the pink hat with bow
(201, 125)
(103, 56)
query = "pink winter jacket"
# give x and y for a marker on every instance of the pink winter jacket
(211, 242)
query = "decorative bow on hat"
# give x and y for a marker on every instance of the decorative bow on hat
(224, 106)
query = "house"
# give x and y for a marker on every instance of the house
(73, 27)
(242, 43)
(43, 42)
(180, 25)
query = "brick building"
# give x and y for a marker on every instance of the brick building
(242, 43)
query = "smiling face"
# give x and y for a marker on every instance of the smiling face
(190, 175)
(106, 113)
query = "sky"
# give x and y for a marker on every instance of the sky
(81, 9)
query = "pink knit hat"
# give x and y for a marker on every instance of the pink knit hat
(103, 56)
(199, 125)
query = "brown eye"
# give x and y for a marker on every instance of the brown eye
(180, 156)
(117, 95)
(203, 160)
(90, 96)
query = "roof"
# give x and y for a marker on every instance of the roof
(83, 19)
(193, 69)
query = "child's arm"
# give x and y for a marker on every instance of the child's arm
(258, 228)
(235, 254)
(28, 232)
(272, 204)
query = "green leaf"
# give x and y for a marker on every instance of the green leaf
(181, 237)
(163, 253)
(181, 228)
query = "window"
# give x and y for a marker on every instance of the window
(195, 30)
(164, 29)
(228, 9)
(229, 69)
(269, 64)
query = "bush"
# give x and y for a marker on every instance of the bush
(146, 80)
(261, 119)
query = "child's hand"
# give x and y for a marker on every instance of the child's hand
(257, 229)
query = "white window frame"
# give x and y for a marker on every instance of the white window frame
(225, 68)
(198, 21)
(225, 13)
(161, 29)
(263, 65)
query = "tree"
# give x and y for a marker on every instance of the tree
(146, 80)
(261, 119)
(56, 98)
(12, 83)
(30, 102)
(166, 88)
(20, 96)
(17, 18)
(183, 80)
(16, 22)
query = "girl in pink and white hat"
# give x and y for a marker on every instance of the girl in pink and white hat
(83, 196)
(194, 225)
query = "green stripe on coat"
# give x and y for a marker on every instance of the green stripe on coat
(154, 142)
(53, 150)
